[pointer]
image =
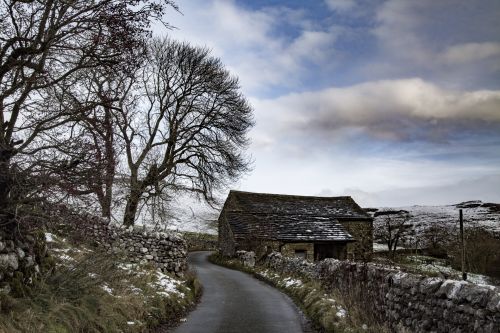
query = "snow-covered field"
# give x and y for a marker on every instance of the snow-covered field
(422, 218)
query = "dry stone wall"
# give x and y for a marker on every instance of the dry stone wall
(21, 259)
(167, 251)
(405, 301)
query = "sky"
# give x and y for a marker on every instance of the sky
(393, 102)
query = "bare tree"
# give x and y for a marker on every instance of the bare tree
(44, 44)
(94, 143)
(184, 125)
(390, 226)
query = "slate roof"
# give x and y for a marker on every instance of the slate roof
(290, 217)
(286, 227)
(262, 203)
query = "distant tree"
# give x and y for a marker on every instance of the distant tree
(184, 126)
(44, 45)
(390, 226)
(436, 239)
(482, 251)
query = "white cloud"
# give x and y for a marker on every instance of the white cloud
(374, 181)
(304, 143)
(248, 43)
(471, 52)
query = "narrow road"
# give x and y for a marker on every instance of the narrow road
(235, 302)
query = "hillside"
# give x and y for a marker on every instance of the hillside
(477, 214)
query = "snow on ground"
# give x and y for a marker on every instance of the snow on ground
(107, 289)
(49, 238)
(167, 285)
(439, 267)
(423, 218)
(476, 213)
(377, 247)
(341, 313)
(290, 282)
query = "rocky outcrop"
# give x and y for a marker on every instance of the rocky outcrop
(404, 301)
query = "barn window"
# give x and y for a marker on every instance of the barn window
(301, 254)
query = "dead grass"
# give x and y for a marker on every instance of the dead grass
(90, 291)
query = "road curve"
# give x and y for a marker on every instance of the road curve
(235, 302)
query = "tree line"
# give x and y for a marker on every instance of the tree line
(96, 111)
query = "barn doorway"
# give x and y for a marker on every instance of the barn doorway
(329, 250)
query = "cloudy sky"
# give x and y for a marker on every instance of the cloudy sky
(393, 102)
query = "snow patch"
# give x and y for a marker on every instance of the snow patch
(167, 284)
(341, 313)
(107, 289)
(290, 282)
(49, 238)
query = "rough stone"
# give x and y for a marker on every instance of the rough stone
(407, 302)
(8, 261)
(20, 253)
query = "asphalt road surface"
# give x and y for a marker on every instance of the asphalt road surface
(235, 302)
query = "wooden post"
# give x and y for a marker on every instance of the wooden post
(462, 243)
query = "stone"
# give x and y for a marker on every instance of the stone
(144, 250)
(5, 289)
(9, 261)
(20, 253)
(29, 261)
(450, 289)
(2, 246)
(494, 303)
(430, 285)
(148, 257)
(247, 258)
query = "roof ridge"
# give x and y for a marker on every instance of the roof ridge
(290, 195)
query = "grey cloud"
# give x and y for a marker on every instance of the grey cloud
(401, 110)
(453, 42)
(483, 188)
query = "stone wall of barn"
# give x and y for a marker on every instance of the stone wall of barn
(226, 241)
(362, 231)
(404, 301)
(289, 249)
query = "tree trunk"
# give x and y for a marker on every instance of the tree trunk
(131, 208)
(6, 216)
(109, 175)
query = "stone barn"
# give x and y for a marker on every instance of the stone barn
(303, 226)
